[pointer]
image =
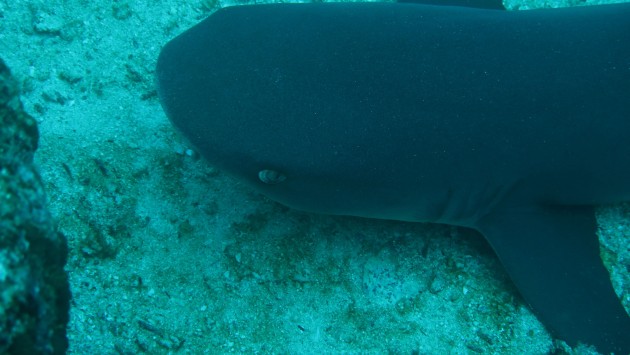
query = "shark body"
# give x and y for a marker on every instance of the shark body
(515, 124)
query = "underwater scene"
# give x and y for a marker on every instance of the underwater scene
(178, 244)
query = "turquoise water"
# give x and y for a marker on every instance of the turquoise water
(170, 255)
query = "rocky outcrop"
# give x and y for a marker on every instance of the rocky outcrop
(34, 290)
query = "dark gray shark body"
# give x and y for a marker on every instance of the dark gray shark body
(512, 123)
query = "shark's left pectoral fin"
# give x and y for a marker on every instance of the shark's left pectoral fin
(552, 255)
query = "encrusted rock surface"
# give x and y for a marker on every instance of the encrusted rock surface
(34, 291)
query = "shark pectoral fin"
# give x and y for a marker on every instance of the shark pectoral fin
(552, 255)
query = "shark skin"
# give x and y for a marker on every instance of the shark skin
(515, 124)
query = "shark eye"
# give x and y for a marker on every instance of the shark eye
(271, 177)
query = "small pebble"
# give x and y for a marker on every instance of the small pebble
(47, 23)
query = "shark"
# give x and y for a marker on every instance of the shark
(513, 123)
